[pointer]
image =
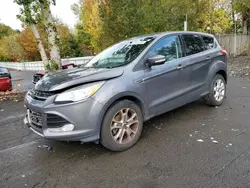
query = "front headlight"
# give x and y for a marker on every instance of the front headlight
(79, 93)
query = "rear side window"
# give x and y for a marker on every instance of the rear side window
(194, 44)
(209, 42)
(169, 47)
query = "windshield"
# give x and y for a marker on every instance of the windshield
(3, 70)
(120, 54)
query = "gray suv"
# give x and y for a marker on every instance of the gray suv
(109, 98)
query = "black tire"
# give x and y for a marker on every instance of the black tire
(210, 98)
(107, 139)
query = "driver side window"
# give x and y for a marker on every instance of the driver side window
(169, 47)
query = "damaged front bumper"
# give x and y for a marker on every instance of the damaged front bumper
(67, 122)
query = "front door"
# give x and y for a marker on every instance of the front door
(165, 84)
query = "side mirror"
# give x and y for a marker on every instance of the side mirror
(156, 60)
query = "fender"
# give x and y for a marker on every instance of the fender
(124, 95)
(214, 69)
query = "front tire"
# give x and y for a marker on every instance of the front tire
(122, 126)
(217, 92)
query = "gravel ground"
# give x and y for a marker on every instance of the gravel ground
(239, 66)
(22, 80)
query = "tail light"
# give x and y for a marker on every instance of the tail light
(223, 52)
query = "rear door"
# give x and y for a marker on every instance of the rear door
(198, 58)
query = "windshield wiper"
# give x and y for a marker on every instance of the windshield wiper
(94, 67)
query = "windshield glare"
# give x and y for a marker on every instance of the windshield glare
(120, 54)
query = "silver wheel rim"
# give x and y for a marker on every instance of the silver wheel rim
(124, 126)
(219, 90)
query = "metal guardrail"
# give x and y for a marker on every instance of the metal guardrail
(39, 66)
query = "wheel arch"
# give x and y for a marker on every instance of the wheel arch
(218, 67)
(222, 73)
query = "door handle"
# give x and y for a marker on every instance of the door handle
(180, 67)
(208, 58)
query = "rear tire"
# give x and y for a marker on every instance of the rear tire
(217, 91)
(122, 126)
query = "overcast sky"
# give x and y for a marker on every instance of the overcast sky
(62, 10)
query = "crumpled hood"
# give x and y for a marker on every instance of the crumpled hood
(73, 77)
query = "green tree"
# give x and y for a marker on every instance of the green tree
(30, 16)
(5, 31)
(38, 11)
(109, 21)
(83, 40)
(92, 23)
(243, 7)
(69, 46)
(15, 50)
(10, 49)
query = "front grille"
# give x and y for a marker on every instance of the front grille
(55, 121)
(39, 95)
(35, 120)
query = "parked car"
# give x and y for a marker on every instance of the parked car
(108, 100)
(65, 65)
(5, 80)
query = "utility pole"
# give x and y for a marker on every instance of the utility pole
(185, 24)
(235, 35)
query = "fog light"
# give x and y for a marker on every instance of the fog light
(65, 128)
(68, 127)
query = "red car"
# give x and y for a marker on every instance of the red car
(65, 65)
(5, 80)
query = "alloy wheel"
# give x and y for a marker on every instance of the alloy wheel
(219, 90)
(124, 126)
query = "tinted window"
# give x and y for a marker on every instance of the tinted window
(193, 43)
(209, 42)
(168, 47)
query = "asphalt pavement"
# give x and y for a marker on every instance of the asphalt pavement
(22, 80)
(193, 146)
